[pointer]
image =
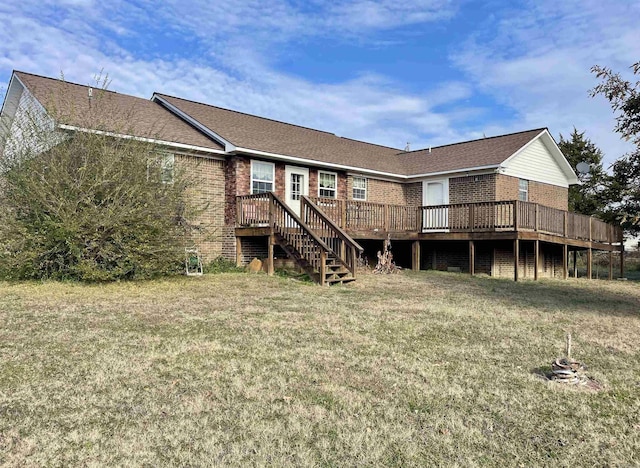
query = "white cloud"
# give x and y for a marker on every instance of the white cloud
(367, 106)
(537, 62)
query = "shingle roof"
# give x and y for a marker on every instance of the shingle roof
(490, 151)
(109, 111)
(122, 113)
(261, 134)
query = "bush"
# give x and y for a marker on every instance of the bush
(91, 207)
(222, 265)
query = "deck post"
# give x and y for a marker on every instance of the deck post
(238, 251)
(270, 268)
(622, 260)
(472, 258)
(565, 230)
(610, 265)
(575, 263)
(536, 257)
(537, 220)
(515, 215)
(323, 268)
(415, 256)
(565, 261)
(589, 262)
(516, 258)
(472, 218)
(343, 214)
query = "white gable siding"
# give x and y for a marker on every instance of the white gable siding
(29, 130)
(535, 162)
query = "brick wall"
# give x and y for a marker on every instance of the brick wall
(472, 189)
(545, 194)
(413, 193)
(380, 191)
(550, 261)
(208, 192)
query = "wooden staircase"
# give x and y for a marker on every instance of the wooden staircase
(321, 248)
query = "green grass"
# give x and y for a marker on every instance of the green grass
(234, 369)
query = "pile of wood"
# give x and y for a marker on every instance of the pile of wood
(385, 264)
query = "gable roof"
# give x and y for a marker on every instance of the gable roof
(249, 132)
(109, 111)
(484, 152)
(270, 136)
(205, 127)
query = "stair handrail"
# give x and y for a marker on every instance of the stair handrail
(305, 200)
(298, 220)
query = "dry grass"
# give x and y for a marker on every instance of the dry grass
(411, 369)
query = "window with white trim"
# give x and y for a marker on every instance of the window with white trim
(167, 164)
(161, 167)
(359, 188)
(523, 190)
(262, 176)
(327, 184)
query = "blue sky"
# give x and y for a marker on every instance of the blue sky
(427, 72)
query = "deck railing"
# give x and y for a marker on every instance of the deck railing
(512, 215)
(315, 237)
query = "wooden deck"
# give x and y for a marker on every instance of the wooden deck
(486, 221)
(501, 220)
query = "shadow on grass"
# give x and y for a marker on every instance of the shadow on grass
(592, 296)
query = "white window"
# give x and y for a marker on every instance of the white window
(167, 164)
(327, 184)
(161, 166)
(523, 190)
(262, 176)
(359, 188)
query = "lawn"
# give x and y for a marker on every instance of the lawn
(412, 369)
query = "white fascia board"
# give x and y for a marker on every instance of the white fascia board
(550, 144)
(228, 146)
(147, 140)
(458, 172)
(11, 104)
(313, 162)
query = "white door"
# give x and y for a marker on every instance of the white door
(296, 184)
(435, 194)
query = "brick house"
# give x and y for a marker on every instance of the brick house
(275, 190)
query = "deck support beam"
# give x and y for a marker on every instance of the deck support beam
(472, 258)
(415, 256)
(536, 258)
(622, 260)
(270, 267)
(610, 265)
(238, 251)
(565, 261)
(575, 263)
(516, 258)
(589, 263)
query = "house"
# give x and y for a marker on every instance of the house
(495, 205)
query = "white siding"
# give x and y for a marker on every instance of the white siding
(29, 130)
(535, 162)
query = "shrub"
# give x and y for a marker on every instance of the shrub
(91, 207)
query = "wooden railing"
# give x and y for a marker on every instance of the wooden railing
(340, 242)
(354, 215)
(316, 240)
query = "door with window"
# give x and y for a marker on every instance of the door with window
(435, 198)
(296, 185)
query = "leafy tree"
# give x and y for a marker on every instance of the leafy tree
(590, 197)
(624, 97)
(88, 206)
